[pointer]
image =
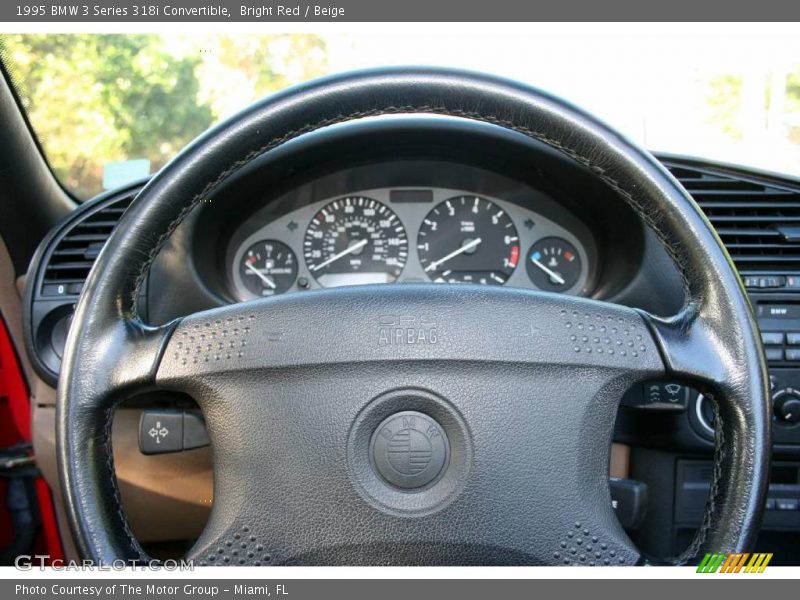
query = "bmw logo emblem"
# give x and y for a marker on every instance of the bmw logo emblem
(409, 450)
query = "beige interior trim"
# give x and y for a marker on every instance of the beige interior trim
(43, 425)
(620, 461)
(165, 497)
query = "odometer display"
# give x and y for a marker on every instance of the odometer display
(468, 239)
(355, 240)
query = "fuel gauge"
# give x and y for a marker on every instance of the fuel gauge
(553, 264)
(268, 268)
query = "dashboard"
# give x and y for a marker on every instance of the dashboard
(416, 202)
(408, 234)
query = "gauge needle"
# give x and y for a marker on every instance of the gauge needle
(553, 275)
(263, 277)
(437, 263)
(336, 257)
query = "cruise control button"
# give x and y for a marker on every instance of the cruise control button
(786, 503)
(160, 431)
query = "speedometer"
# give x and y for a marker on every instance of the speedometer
(355, 240)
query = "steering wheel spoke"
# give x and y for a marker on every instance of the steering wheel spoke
(128, 355)
(693, 349)
(410, 323)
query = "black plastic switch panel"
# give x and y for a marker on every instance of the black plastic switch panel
(160, 431)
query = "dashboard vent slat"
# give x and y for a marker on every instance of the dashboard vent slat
(87, 237)
(74, 254)
(754, 204)
(756, 218)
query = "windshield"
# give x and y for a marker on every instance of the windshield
(111, 108)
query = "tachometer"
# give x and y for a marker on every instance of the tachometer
(268, 268)
(468, 239)
(355, 240)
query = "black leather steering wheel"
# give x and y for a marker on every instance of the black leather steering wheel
(508, 397)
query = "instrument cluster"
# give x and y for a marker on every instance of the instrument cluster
(408, 234)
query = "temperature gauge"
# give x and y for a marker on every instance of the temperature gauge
(268, 268)
(553, 264)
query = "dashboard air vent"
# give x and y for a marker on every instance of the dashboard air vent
(758, 220)
(74, 254)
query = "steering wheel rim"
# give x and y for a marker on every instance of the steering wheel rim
(713, 342)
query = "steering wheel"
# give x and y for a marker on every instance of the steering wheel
(414, 423)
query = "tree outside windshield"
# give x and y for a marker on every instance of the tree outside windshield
(109, 108)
